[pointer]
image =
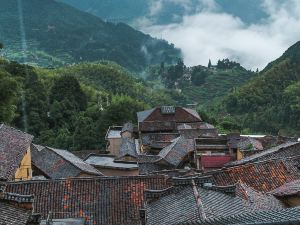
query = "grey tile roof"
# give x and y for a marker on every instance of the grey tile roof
(107, 161)
(127, 127)
(70, 221)
(288, 189)
(144, 114)
(285, 150)
(193, 112)
(12, 210)
(186, 201)
(281, 217)
(101, 200)
(11, 214)
(128, 148)
(76, 161)
(13, 147)
(150, 138)
(175, 152)
(57, 163)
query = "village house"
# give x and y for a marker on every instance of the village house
(109, 166)
(17, 209)
(290, 216)
(114, 140)
(100, 200)
(51, 163)
(178, 154)
(289, 193)
(159, 126)
(286, 150)
(198, 198)
(15, 154)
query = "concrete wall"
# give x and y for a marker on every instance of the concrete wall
(114, 146)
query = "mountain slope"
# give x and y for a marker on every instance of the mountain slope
(270, 102)
(128, 11)
(55, 33)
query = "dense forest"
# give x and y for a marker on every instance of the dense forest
(270, 102)
(72, 107)
(50, 34)
(199, 84)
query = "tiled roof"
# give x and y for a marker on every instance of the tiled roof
(13, 147)
(11, 214)
(12, 210)
(245, 143)
(85, 153)
(128, 148)
(285, 150)
(148, 168)
(289, 189)
(177, 151)
(57, 163)
(144, 114)
(107, 161)
(127, 127)
(101, 200)
(194, 199)
(147, 164)
(262, 201)
(149, 138)
(193, 112)
(283, 217)
(71, 221)
(262, 176)
(157, 126)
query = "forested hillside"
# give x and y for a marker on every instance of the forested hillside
(199, 84)
(72, 107)
(269, 103)
(49, 33)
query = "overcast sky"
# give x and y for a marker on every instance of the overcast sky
(213, 34)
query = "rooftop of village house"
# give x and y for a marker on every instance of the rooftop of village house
(247, 174)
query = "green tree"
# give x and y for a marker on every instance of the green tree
(67, 88)
(9, 91)
(199, 76)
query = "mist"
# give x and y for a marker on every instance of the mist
(209, 33)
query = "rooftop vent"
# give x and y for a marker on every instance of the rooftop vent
(168, 110)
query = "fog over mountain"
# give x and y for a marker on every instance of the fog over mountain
(214, 34)
(252, 32)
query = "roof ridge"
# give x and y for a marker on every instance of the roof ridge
(199, 204)
(89, 178)
(15, 129)
(93, 168)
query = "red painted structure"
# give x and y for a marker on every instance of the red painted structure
(214, 161)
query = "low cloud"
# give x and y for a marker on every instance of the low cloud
(212, 34)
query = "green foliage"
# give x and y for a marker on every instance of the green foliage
(226, 64)
(66, 89)
(9, 90)
(72, 107)
(199, 76)
(57, 34)
(269, 103)
(197, 84)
